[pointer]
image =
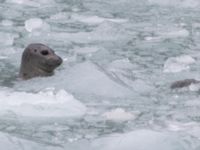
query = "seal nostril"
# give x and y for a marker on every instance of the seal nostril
(44, 52)
(59, 61)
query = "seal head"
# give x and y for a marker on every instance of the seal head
(38, 60)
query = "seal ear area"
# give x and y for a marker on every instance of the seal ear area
(26, 55)
(30, 51)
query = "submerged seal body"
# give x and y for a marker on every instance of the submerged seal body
(183, 83)
(38, 60)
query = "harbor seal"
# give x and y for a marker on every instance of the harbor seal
(38, 60)
(183, 83)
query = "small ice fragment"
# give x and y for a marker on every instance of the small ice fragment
(179, 33)
(178, 64)
(7, 39)
(121, 64)
(96, 19)
(194, 87)
(174, 127)
(15, 1)
(177, 3)
(33, 3)
(65, 59)
(118, 114)
(7, 23)
(148, 38)
(35, 23)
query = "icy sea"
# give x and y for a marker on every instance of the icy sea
(112, 91)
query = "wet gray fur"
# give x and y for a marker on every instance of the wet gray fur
(183, 83)
(38, 60)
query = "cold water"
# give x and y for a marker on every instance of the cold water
(112, 91)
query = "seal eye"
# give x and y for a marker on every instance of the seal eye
(44, 52)
(35, 50)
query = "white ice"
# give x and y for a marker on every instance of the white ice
(178, 64)
(7, 39)
(84, 78)
(175, 33)
(36, 24)
(88, 78)
(48, 103)
(172, 32)
(96, 19)
(90, 20)
(9, 142)
(191, 128)
(7, 22)
(122, 70)
(177, 3)
(140, 140)
(119, 114)
(105, 32)
(33, 3)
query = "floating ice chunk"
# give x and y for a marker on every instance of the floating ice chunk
(89, 78)
(9, 142)
(170, 33)
(6, 52)
(122, 71)
(46, 1)
(177, 64)
(16, 1)
(83, 78)
(35, 23)
(43, 104)
(7, 39)
(140, 140)
(119, 114)
(85, 50)
(6, 22)
(95, 19)
(177, 3)
(149, 38)
(33, 3)
(60, 16)
(87, 19)
(176, 33)
(105, 32)
(23, 2)
(192, 103)
(141, 86)
(121, 63)
(191, 128)
(174, 127)
(117, 20)
(194, 87)
(109, 31)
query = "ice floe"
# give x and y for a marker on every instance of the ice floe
(177, 3)
(10, 142)
(47, 103)
(178, 64)
(119, 114)
(140, 140)
(35, 24)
